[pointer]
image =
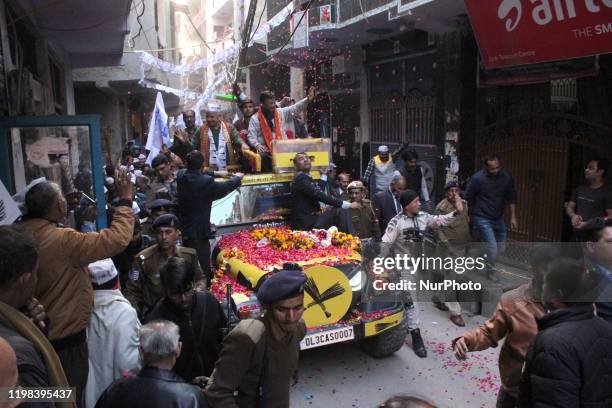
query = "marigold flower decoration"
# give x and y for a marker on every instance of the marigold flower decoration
(347, 240)
(270, 247)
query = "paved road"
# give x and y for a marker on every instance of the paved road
(342, 376)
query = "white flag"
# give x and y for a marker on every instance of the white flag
(158, 129)
(9, 211)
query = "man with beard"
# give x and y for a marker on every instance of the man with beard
(306, 198)
(145, 290)
(270, 124)
(415, 180)
(490, 190)
(184, 139)
(164, 179)
(260, 356)
(198, 315)
(343, 181)
(593, 200)
(219, 143)
(242, 125)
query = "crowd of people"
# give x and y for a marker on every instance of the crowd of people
(124, 315)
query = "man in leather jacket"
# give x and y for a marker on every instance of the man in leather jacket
(198, 315)
(156, 385)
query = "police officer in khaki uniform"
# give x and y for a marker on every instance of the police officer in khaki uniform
(145, 290)
(260, 356)
(157, 208)
(363, 218)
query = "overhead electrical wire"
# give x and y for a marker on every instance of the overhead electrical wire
(270, 57)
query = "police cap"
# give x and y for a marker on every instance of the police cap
(161, 203)
(281, 285)
(166, 220)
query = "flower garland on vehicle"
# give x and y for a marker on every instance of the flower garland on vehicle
(219, 283)
(269, 248)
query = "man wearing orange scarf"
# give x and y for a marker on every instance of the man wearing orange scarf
(218, 141)
(269, 123)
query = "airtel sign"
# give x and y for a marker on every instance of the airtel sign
(515, 32)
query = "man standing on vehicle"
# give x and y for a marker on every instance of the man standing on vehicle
(260, 356)
(196, 192)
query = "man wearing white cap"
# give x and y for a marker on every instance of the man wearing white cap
(218, 141)
(380, 171)
(112, 335)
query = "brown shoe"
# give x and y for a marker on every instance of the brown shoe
(458, 320)
(441, 306)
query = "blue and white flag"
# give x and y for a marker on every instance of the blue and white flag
(158, 129)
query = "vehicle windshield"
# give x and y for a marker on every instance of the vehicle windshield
(253, 203)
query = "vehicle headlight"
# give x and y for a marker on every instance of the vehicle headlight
(356, 281)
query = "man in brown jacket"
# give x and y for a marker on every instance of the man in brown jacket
(515, 320)
(260, 356)
(64, 287)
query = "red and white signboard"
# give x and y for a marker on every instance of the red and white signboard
(518, 32)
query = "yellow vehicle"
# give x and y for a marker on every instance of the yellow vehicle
(252, 237)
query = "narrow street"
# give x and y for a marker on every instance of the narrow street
(343, 376)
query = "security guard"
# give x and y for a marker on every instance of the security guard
(404, 235)
(260, 356)
(157, 207)
(145, 290)
(363, 218)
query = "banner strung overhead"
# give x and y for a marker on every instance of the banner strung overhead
(221, 56)
(208, 93)
(515, 32)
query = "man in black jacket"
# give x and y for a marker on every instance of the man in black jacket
(569, 364)
(156, 385)
(306, 195)
(386, 203)
(196, 193)
(198, 315)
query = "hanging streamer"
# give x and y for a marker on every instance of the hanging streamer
(186, 69)
(212, 87)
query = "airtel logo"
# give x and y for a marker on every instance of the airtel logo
(544, 11)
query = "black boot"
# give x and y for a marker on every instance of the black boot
(417, 343)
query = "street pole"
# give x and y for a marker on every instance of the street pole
(246, 35)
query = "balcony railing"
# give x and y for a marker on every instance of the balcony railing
(348, 9)
(322, 13)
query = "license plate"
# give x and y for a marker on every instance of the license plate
(327, 337)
